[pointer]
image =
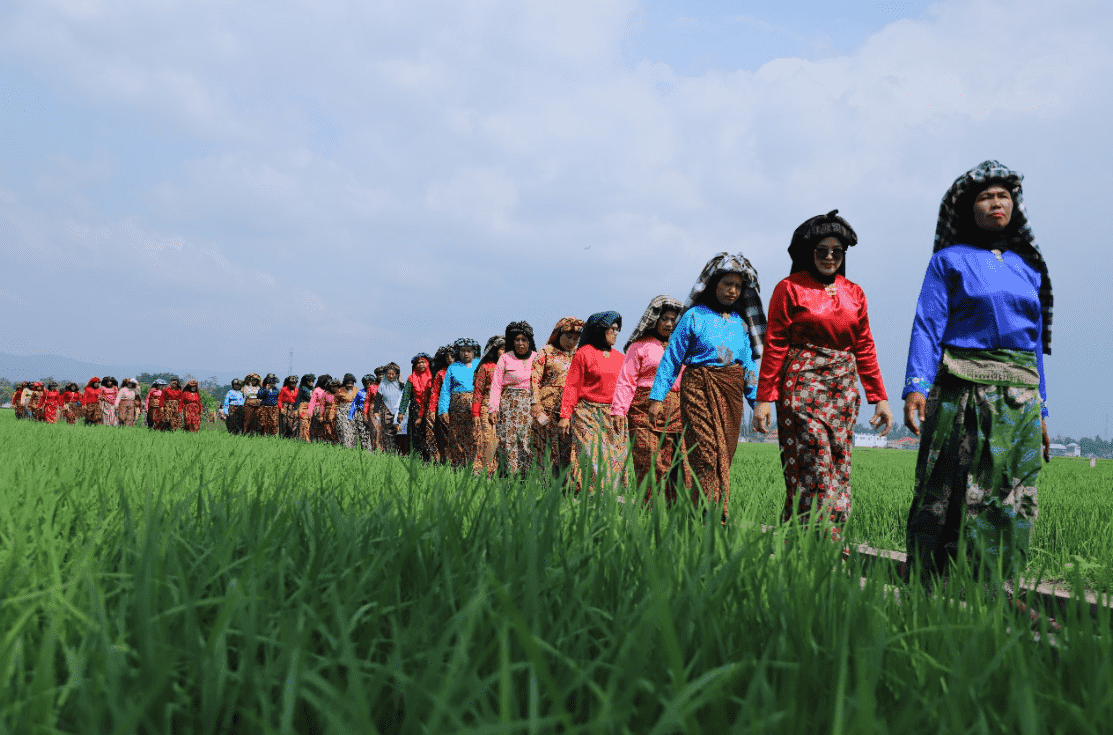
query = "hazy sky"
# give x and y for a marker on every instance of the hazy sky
(210, 184)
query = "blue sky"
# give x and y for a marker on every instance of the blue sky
(209, 184)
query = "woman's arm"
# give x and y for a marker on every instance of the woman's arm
(776, 342)
(572, 382)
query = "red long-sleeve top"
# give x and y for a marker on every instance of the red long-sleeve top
(70, 396)
(16, 396)
(591, 377)
(189, 397)
(169, 394)
(482, 386)
(434, 391)
(91, 395)
(286, 395)
(369, 400)
(50, 399)
(802, 312)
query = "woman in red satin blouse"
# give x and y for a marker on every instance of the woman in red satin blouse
(817, 346)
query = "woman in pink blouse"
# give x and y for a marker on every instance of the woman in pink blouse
(655, 442)
(511, 397)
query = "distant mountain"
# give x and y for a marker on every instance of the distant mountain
(37, 367)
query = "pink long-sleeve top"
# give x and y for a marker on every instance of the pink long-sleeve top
(510, 372)
(154, 394)
(638, 371)
(125, 394)
(318, 398)
(591, 377)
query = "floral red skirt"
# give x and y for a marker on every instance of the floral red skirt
(816, 411)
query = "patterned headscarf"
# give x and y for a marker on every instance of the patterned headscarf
(465, 343)
(513, 329)
(395, 367)
(493, 344)
(256, 376)
(955, 226)
(419, 356)
(595, 330)
(568, 323)
(652, 314)
(748, 305)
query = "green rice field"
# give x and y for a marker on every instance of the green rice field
(211, 583)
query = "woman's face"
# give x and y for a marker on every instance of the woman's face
(993, 208)
(521, 345)
(96, 384)
(349, 383)
(568, 340)
(450, 358)
(466, 354)
(612, 334)
(391, 374)
(421, 366)
(828, 255)
(729, 289)
(666, 323)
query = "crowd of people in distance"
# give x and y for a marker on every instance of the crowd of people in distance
(673, 397)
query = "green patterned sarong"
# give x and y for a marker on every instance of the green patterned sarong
(978, 462)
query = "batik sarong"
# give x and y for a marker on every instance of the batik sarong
(250, 423)
(70, 411)
(92, 412)
(816, 413)
(108, 411)
(192, 416)
(486, 441)
(171, 415)
(234, 421)
(289, 421)
(711, 404)
(512, 430)
(386, 430)
(980, 447)
(128, 412)
(302, 426)
(345, 427)
(267, 417)
(660, 461)
(154, 416)
(461, 431)
(596, 448)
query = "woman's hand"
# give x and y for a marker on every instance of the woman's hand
(655, 408)
(443, 418)
(618, 423)
(763, 417)
(882, 414)
(536, 411)
(477, 423)
(1046, 439)
(492, 417)
(564, 426)
(913, 410)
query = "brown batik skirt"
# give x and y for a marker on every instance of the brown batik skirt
(192, 413)
(711, 404)
(597, 448)
(461, 431)
(302, 426)
(251, 415)
(154, 416)
(515, 450)
(657, 464)
(234, 421)
(345, 427)
(548, 441)
(486, 443)
(387, 430)
(267, 417)
(363, 430)
(70, 411)
(289, 421)
(128, 412)
(816, 412)
(92, 412)
(171, 415)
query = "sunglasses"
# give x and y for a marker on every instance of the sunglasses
(614, 328)
(822, 252)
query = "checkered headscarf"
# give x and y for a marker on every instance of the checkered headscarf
(650, 317)
(956, 216)
(748, 305)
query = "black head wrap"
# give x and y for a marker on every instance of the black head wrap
(323, 381)
(490, 350)
(595, 329)
(367, 380)
(513, 329)
(349, 378)
(291, 381)
(307, 380)
(465, 343)
(807, 235)
(420, 355)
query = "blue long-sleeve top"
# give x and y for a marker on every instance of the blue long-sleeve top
(232, 398)
(267, 396)
(704, 338)
(357, 403)
(971, 300)
(459, 378)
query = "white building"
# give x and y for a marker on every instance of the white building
(869, 440)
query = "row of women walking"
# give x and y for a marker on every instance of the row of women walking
(673, 396)
(108, 402)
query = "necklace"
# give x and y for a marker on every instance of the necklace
(831, 289)
(997, 254)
